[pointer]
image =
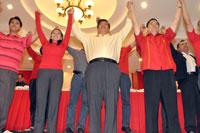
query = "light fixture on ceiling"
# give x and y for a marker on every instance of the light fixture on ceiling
(140, 59)
(144, 4)
(68, 66)
(9, 6)
(80, 13)
(29, 58)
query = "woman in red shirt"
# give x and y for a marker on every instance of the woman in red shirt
(50, 75)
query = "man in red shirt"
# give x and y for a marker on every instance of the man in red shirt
(37, 58)
(11, 49)
(194, 38)
(125, 85)
(158, 66)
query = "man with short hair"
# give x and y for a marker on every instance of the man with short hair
(157, 66)
(125, 85)
(102, 74)
(78, 85)
(11, 49)
(20, 80)
(187, 76)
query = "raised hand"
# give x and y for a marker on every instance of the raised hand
(29, 33)
(97, 19)
(142, 27)
(163, 29)
(71, 11)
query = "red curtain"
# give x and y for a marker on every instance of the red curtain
(137, 80)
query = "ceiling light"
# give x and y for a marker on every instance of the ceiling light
(140, 59)
(9, 6)
(68, 66)
(144, 4)
(29, 58)
(80, 13)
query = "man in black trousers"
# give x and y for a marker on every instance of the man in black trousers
(187, 75)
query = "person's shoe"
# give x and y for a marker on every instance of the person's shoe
(191, 132)
(29, 129)
(80, 130)
(127, 130)
(68, 130)
(7, 131)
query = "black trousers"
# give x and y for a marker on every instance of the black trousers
(191, 102)
(7, 87)
(102, 79)
(48, 90)
(32, 95)
(160, 86)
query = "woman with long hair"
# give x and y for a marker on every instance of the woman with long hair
(50, 75)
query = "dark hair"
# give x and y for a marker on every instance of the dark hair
(147, 24)
(17, 18)
(103, 20)
(179, 43)
(41, 50)
(59, 41)
(21, 74)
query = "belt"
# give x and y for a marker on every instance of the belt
(192, 73)
(78, 72)
(103, 59)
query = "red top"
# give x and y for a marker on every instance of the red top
(52, 53)
(155, 51)
(123, 60)
(195, 41)
(11, 50)
(37, 60)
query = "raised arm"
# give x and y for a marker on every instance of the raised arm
(136, 26)
(69, 28)
(78, 33)
(177, 16)
(39, 28)
(32, 53)
(128, 26)
(34, 37)
(186, 17)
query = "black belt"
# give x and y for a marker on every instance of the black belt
(192, 73)
(78, 72)
(103, 59)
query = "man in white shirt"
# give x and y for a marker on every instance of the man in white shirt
(187, 76)
(102, 74)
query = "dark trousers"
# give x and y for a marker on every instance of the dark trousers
(48, 90)
(7, 87)
(125, 85)
(32, 95)
(191, 102)
(160, 86)
(164, 120)
(102, 80)
(78, 85)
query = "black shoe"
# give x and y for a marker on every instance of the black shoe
(68, 130)
(191, 132)
(127, 130)
(80, 130)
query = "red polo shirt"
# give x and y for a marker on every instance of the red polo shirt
(155, 51)
(37, 60)
(52, 53)
(11, 50)
(123, 61)
(195, 41)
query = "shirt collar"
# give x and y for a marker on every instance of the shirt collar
(150, 34)
(12, 35)
(100, 35)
